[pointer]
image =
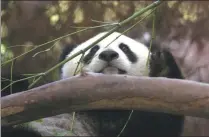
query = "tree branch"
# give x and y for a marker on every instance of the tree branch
(91, 91)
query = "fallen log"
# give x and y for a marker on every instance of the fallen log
(91, 91)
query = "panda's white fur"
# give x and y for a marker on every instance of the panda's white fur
(111, 42)
(111, 122)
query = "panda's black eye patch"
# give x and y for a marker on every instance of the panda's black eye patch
(124, 47)
(130, 55)
(87, 58)
(94, 49)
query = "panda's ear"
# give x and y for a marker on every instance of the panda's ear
(66, 50)
(146, 40)
(154, 47)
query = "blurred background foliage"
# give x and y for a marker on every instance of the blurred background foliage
(26, 24)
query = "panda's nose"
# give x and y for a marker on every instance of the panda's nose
(108, 55)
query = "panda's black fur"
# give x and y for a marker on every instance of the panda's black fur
(141, 123)
(19, 132)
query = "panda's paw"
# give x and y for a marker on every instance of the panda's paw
(85, 72)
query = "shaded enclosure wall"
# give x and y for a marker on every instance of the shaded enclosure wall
(181, 27)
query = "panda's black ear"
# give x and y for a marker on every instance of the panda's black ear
(147, 39)
(66, 50)
(154, 47)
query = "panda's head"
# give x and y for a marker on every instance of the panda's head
(116, 54)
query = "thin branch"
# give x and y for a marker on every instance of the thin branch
(13, 82)
(103, 22)
(92, 27)
(48, 49)
(11, 72)
(91, 91)
(153, 35)
(17, 46)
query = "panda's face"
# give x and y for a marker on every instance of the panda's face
(122, 56)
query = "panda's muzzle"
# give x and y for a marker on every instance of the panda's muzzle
(112, 70)
(108, 56)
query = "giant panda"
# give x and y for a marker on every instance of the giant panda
(116, 54)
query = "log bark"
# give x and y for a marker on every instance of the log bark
(91, 91)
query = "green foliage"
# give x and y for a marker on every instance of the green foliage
(6, 54)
